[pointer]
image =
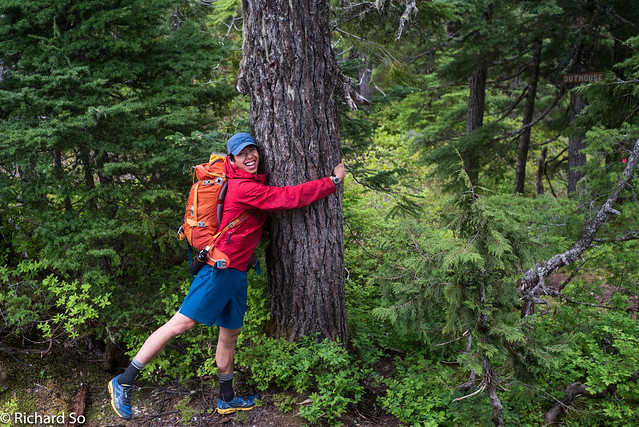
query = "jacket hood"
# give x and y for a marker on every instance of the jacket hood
(233, 172)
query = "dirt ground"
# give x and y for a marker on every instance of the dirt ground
(65, 383)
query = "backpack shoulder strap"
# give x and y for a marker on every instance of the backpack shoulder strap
(237, 221)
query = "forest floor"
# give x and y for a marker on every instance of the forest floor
(64, 382)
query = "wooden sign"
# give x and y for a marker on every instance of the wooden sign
(577, 78)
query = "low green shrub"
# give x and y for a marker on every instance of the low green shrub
(416, 394)
(324, 370)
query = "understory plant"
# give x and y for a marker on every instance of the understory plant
(323, 371)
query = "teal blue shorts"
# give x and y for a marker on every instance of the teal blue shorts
(217, 297)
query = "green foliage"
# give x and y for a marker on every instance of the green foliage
(186, 411)
(602, 355)
(78, 306)
(415, 394)
(284, 402)
(106, 108)
(55, 307)
(323, 369)
(453, 275)
(11, 407)
(95, 165)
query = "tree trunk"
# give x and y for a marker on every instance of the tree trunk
(575, 145)
(524, 139)
(2, 70)
(541, 169)
(365, 74)
(290, 72)
(475, 119)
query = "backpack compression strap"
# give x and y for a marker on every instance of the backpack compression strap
(221, 260)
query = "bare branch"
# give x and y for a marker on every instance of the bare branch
(411, 9)
(533, 280)
(572, 392)
(631, 235)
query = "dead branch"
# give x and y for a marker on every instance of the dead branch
(473, 376)
(555, 293)
(631, 235)
(495, 402)
(533, 281)
(411, 9)
(77, 405)
(349, 91)
(573, 391)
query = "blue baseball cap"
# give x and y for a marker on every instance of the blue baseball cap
(238, 141)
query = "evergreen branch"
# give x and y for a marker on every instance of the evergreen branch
(518, 132)
(555, 293)
(391, 277)
(538, 389)
(548, 141)
(471, 242)
(625, 82)
(513, 105)
(345, 16)
(377, 45)
(412, 237)
(399, 307)
(574, 273)
(452, 341)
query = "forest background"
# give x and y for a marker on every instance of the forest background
(490, 227)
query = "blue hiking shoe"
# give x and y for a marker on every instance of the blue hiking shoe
(238, 403)
(121, 398)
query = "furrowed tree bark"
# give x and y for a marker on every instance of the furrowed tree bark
(533, 282)
(290, 72)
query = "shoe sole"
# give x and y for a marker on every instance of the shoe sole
(231, 410)
(113, 403)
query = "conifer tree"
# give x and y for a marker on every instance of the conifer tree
(290, 72)
(92, 93)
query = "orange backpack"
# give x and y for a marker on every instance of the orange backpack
(204, 208)
(205, 203)
(204, 213)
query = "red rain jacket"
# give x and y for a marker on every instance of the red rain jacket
(248, 191)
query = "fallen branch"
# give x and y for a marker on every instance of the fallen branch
(77, 405)
(577, 389)
(533, 281)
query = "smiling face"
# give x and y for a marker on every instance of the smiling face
(248, 159)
